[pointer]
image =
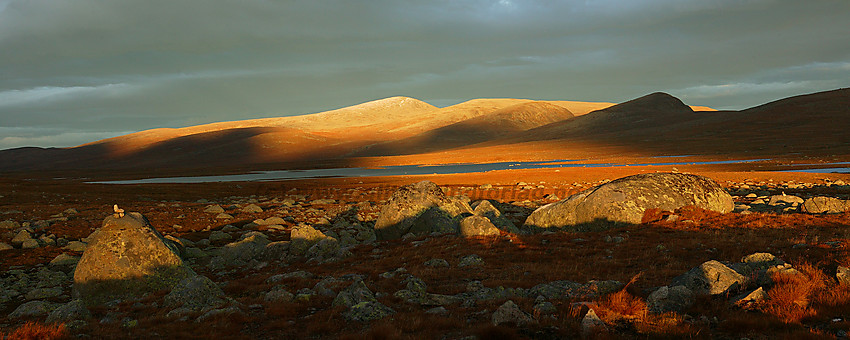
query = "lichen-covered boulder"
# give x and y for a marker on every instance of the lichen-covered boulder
(711, 278)
(127, 257)
(625, 200)
(670, 299)
(196, 293)
(828, 205)
(420, 208)
(477, 226)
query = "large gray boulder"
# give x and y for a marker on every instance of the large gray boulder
(127, 257)
(670, 299)
(196, 293)
(825, 205)
(420, 208)
(625, 200)
(477, 226)
(711, 278)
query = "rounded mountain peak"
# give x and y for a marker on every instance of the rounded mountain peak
(655, 102)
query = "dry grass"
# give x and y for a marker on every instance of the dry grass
(37, 331)
(792, 296)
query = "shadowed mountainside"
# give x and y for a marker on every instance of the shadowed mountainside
(653, 124)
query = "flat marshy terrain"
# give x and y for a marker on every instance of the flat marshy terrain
(459, 283)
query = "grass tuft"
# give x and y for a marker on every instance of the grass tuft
(37, 331)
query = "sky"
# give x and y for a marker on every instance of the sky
(76, 71)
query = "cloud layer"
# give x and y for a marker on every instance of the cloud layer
(74, 71)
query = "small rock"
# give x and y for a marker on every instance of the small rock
(214, 209)
(368, 311)
(748, 299)
(670, 299)
(32, 309)
(591, 323)
(21, 237)
(227, 311)
(437, 263)
(74, 310)
(544, 307)
(509, 312)
(218, 236)
(252, 208)
(437, 310)
(279, 295)
(9, 224)
(223, 216)
(471, 260)
(29, 244)
(43, 293)
(76, 246)
(356, 293)
(195, 293)
(4, 246)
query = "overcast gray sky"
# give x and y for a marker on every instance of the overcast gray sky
(75, 71)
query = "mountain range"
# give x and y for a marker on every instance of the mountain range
(655, 124)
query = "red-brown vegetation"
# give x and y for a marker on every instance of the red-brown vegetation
(37, 331)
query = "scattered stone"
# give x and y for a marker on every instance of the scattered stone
(127, 257)
(78, 246)
(271, 221)
(486, 209)
(471, 260)
(214, 209)
(367, 311)
(223, 216)
(419, 209)
(32, 309)
(252, 208)
(29, 244)
(750, 298)
(4, 246)
(437, 310)
(323, 250)
(302, 237)
(509, 312)
(297, 274)
(356, 293)
(544, 307)
(9, 224)
(670, 299)
(591, 323)
(437, 263)
(251, 245)
(713, 278)
(74, 310)
(220, 312)
(21, 237)
(624, 201)
(43, 293)
(784, 200)
(322, 201)
(279, 295)
(219, 236)
(477, 226)
(197, 293)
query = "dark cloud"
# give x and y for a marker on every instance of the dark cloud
(73, 71)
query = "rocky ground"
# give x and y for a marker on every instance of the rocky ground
(303, 260)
